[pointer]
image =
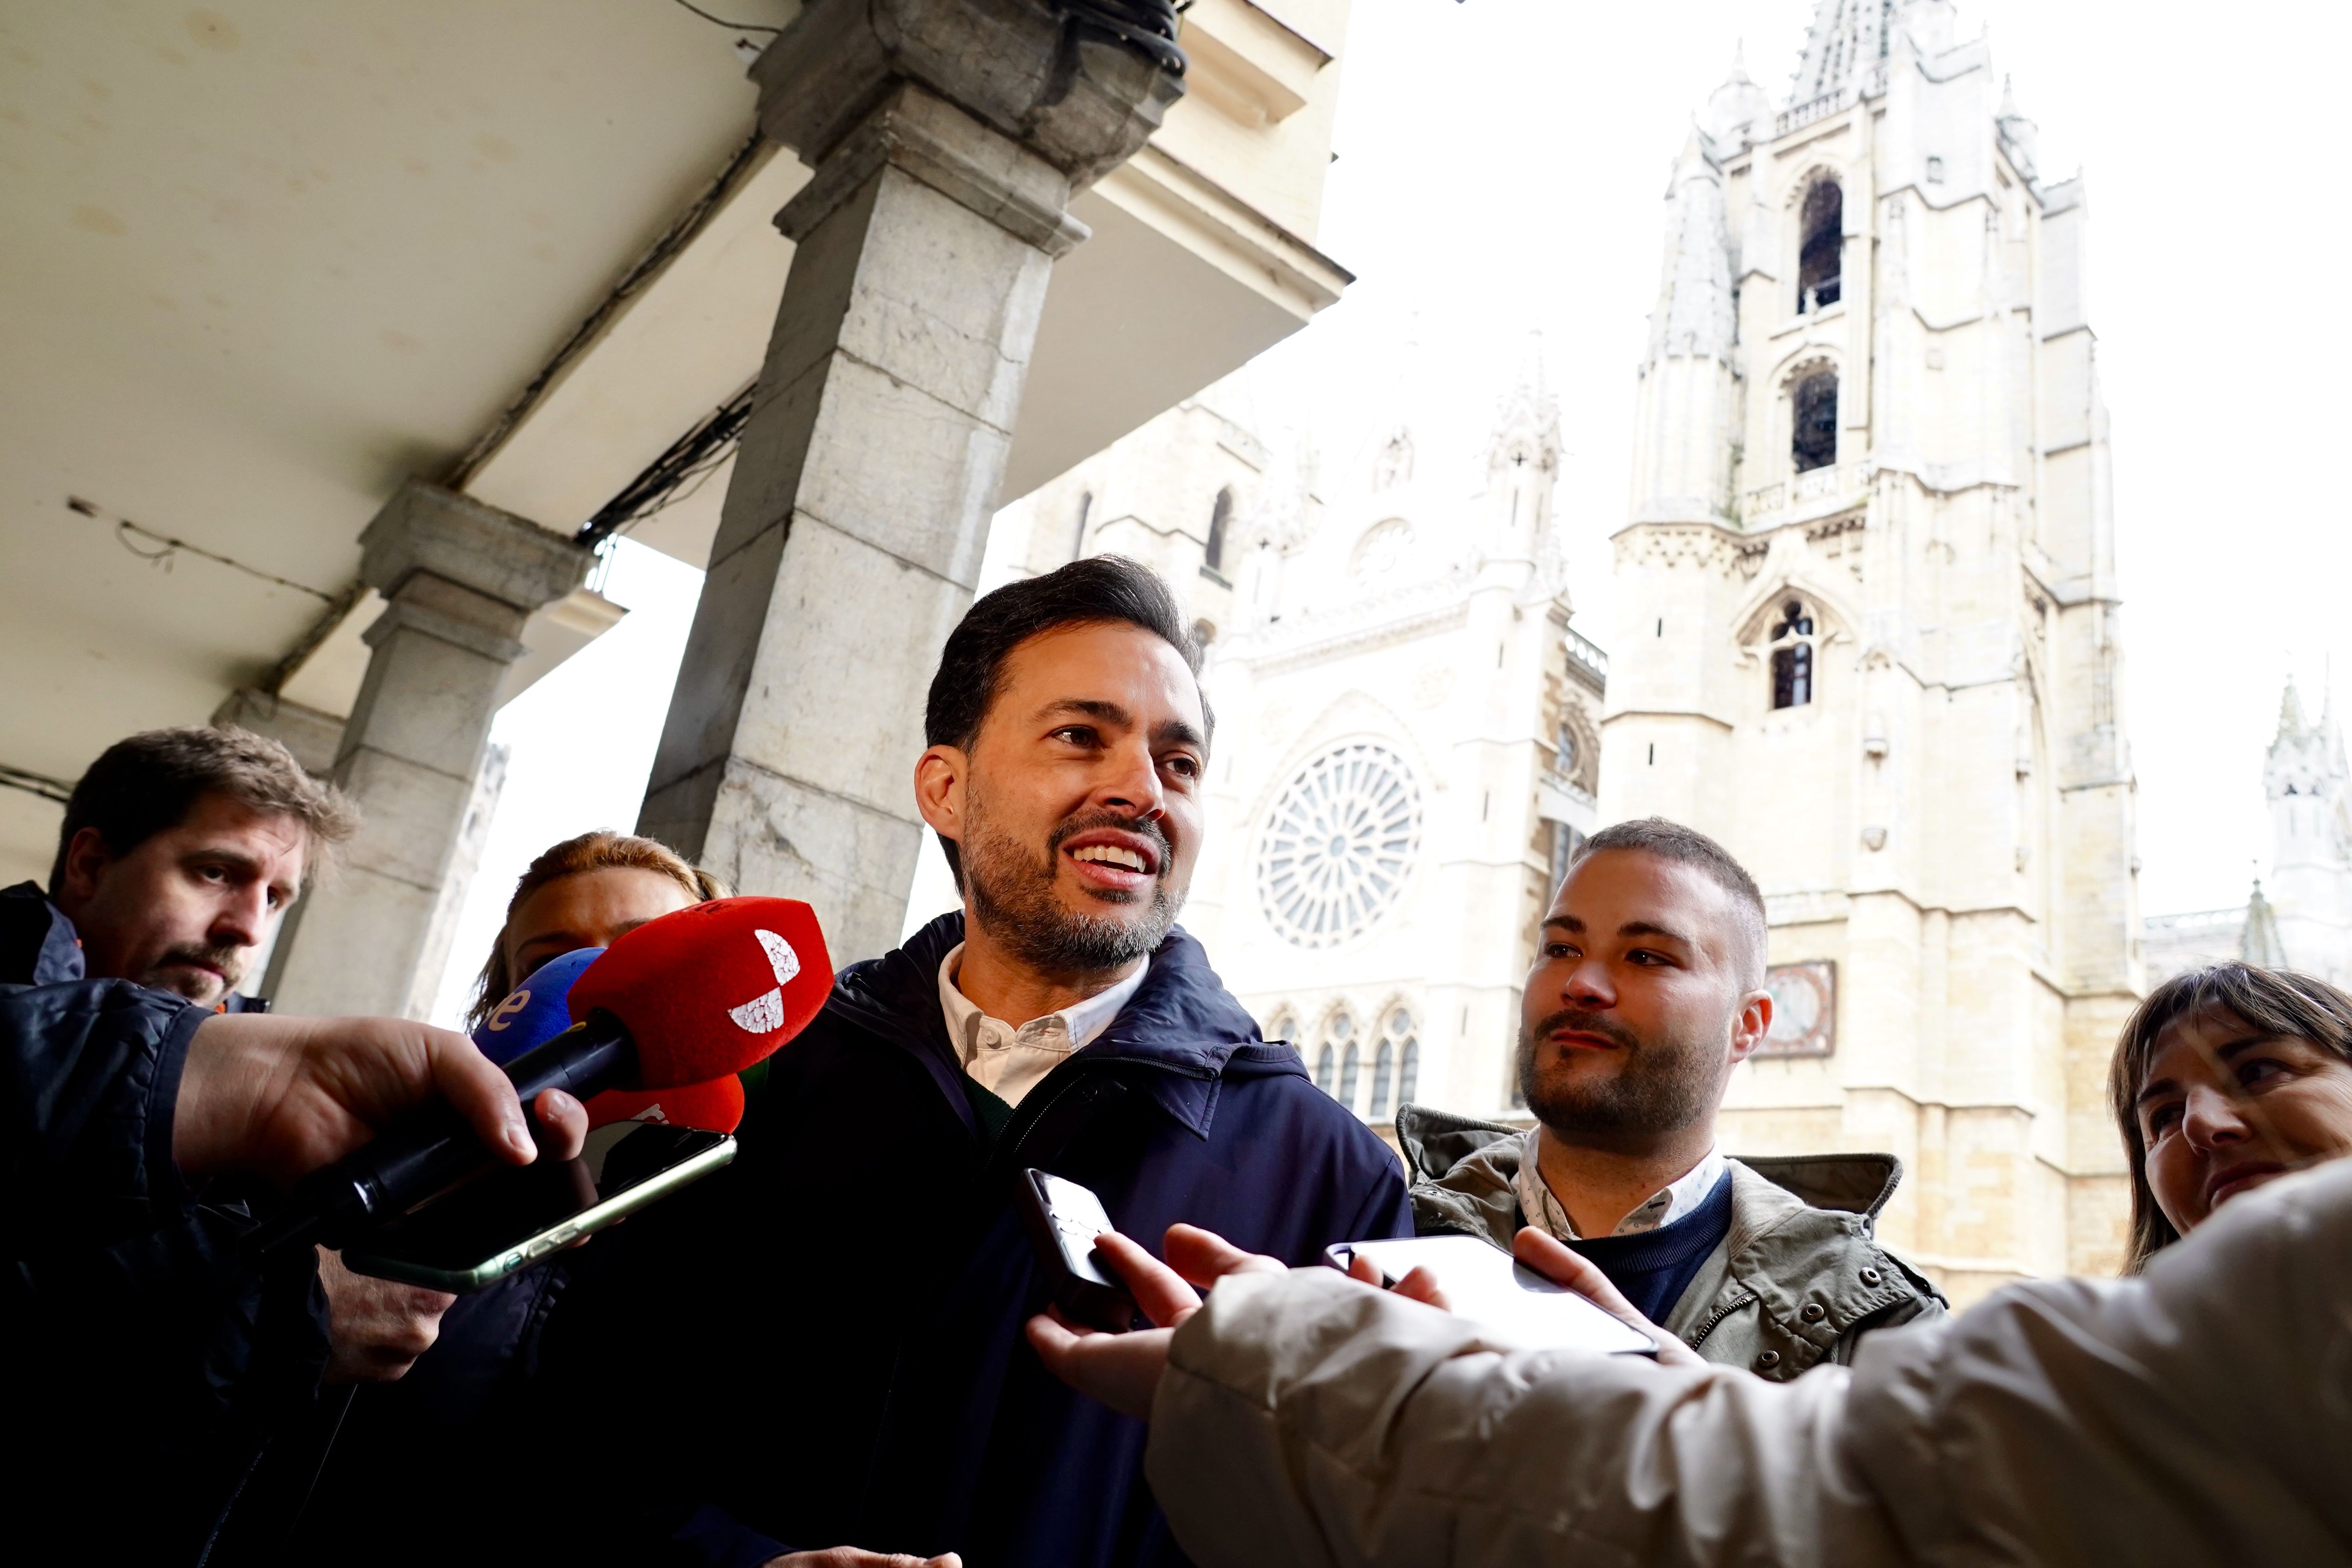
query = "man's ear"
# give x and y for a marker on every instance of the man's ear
(940, 775)
(1753, 1022)
(87, 859)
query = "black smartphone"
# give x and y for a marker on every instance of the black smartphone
(512, 1218)
(1063, 1219)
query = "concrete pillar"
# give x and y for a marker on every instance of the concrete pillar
(459, 578)
(947, 138)
(313, 737)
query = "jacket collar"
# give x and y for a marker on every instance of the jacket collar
(38, 946)
(1443, 1147)
(1177, 1036)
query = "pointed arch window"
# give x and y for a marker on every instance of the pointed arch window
(1396, 1064)
(1323, 1068)
(1792, 656)
(1220, 516)
(1812, 433)
(1340, 1035)
(1821, 253)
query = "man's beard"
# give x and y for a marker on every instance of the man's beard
(181, 967)
(1664, 1085)
(1013, 895)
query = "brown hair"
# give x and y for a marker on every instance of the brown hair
(603, 850)
(2275, 1001)
(148, 784)
(1689, 846)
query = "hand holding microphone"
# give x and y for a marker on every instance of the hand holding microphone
(696, 995)
(278, 1097)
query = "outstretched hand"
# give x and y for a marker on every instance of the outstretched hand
(1123, 1370)
(1565, 1265)
(280, 1097)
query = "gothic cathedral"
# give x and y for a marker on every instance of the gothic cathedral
(1408, 738)
(1868, 635)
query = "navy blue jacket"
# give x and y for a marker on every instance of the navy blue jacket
(147, 1364)
(828, 1335)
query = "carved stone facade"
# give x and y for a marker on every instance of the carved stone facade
(1868, 629)
(1408, 732)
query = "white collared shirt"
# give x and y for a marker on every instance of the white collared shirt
(1662, 1207)
(1010, 1062)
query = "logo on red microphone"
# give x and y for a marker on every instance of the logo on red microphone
(764, 1013)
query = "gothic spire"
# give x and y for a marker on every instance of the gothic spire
(2258, 942)
(1847, 39)
(1694, 315)
(2290, 720)
(1526, 428)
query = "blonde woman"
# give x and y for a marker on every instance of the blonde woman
(584, 892)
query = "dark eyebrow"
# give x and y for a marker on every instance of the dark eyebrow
(1176, 732)
(1087, 707)
(1643, 928)
(1568, 923)
(226, 857)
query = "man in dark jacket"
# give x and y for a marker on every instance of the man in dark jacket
(832, 1330)
(148, 1365)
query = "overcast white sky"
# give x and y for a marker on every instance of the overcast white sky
(1501, 169)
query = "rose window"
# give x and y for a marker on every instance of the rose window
(1340, 844)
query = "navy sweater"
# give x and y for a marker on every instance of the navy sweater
(1656, 1266)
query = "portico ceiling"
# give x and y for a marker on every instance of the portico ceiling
(264, 259)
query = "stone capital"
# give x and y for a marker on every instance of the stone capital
(1081, 102)
(917, 132)
(424, 528)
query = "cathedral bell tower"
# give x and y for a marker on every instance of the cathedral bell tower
(1868, 635)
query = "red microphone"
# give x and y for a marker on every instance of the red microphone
(714, 1107)
(696, 995)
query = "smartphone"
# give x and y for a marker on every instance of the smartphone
(511, 1219)
(1064, 1218)
(1488, 1285)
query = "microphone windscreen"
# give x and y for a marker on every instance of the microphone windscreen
(707, 990)
(714, 1107)
(536, 1011)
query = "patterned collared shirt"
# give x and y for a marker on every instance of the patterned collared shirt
(1664, 1206)
(1010, 1062)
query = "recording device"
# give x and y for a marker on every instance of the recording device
(512, 1218)
(1063, 1219)
(1488, 1285)
(700, 993)
(538, 1009)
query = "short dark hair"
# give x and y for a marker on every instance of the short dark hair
(147, 784)
(1689, 846)
(1096, 590)
(2275, 1001)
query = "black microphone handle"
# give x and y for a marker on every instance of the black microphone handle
(433, 1149)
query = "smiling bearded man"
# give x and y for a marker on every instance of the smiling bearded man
(834, 1324)
(1647, 991)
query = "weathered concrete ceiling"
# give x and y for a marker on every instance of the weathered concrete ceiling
(265, 258)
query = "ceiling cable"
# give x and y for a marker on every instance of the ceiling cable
(169, 549)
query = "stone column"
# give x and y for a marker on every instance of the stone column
(947, 138)
(460, 579)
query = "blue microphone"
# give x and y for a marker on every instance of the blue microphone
(536, 1011)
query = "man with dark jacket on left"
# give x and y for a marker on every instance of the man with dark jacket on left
(180, 851)
(824, 1344)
